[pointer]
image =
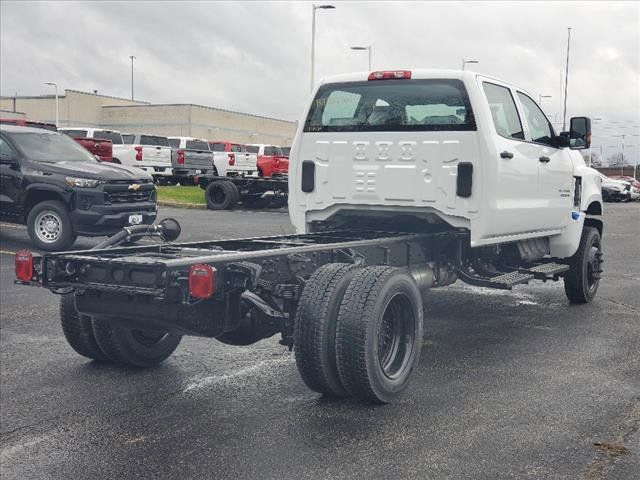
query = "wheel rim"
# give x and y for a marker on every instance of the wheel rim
(594, 261)
(217, 195)
(396, 336)
(148, 338)
(48, 226)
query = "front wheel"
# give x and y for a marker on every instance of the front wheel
(135, 347)
(585, 267)
(49, 226)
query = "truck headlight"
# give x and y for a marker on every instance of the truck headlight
(82, 182)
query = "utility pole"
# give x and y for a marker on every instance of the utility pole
(566, 83)
(313, 37)
(132, 58)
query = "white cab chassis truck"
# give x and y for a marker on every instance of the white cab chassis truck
(400, 181)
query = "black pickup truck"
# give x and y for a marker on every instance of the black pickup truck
(60, 191)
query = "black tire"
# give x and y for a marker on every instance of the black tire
(379, 334)
(137, 348)
(583, 277)
(221, 195)
(47, 238)
(78, 330)
(315, 328)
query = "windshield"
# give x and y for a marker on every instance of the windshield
(391, 106)
(115, 137)
(50, 148)
(285, 151)
(253, 148)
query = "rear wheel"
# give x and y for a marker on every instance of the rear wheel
(379, 334)
(49, 226)
(585, 267)
(78, 330)
(221, 195)
(315, 327)
(135, 347)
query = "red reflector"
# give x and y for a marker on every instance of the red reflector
(201, 279)
(138, 153)
(180, 155)
(390, 75)
(232, 159)
(24, 265)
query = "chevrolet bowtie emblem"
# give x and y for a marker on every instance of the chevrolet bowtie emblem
(134, 187)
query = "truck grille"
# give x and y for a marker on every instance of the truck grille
(120, 193)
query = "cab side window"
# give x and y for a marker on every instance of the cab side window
(540, 129)
(503, 111)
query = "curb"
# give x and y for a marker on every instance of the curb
(181, 205)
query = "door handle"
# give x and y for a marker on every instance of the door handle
(544, 159)
(506, 154)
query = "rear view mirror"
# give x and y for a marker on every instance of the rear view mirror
(579, 133)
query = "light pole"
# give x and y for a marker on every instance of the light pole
(313, 36)
(57, 107)
(464, 62)
(368, 48)
(566, 83)
(132, 58)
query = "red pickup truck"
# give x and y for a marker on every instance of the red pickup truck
(103, 149)
(271, 160)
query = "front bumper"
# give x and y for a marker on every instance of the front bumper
(107, 220)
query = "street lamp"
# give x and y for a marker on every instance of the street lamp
(313, 35)
(57, 108)
(132, 58)
(368, 48)
(464, 62)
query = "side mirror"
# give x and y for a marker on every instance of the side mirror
(8, 159)
(579, 133)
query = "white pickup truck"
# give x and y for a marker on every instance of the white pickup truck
(153, 154)
(150, 153)
(193, 157)
(400, 181)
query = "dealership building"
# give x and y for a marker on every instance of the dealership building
(84, 109)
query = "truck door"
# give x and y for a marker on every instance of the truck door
(10, 179)
(512, 206)
(555, 169)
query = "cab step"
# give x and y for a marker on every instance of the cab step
(546, 271)
(502, 281)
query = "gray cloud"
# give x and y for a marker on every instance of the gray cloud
(254, 56)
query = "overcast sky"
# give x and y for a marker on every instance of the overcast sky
(255, 56)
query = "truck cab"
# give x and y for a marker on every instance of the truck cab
(448, 147)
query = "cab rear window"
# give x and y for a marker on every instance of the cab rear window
(391, 105)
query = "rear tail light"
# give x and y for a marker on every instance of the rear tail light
(390, 75)
(24, 265)
(201, 278)
(180, 157)
(232, 159)
(138, 154)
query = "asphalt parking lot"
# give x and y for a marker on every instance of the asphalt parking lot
(510, 385)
